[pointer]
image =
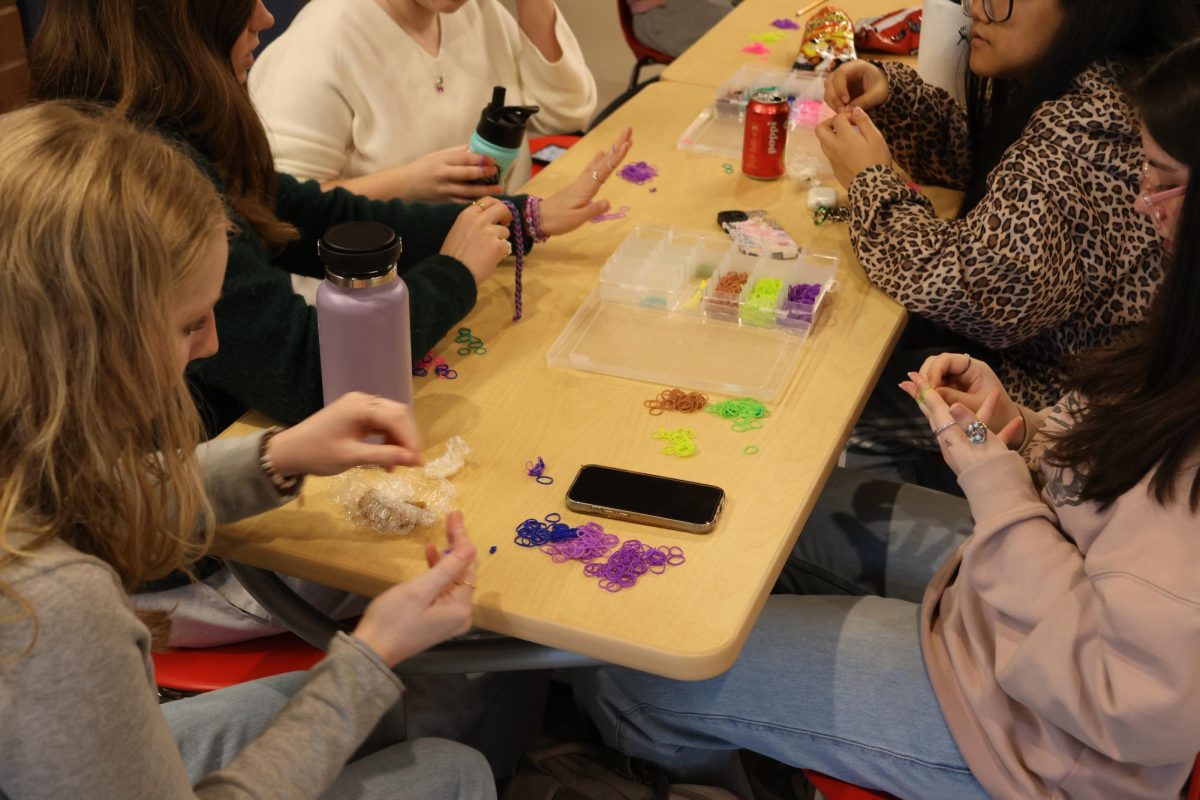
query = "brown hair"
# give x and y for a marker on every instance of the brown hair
(101, 225)
(1141, 397)
(167, 65)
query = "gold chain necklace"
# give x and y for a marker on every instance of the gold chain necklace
(439, 83)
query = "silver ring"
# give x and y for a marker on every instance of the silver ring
(943, 429)
(977, 432)
(596, 176)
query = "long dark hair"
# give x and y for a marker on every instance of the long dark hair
(1134, 30)
(166, 64)
(1141, 413)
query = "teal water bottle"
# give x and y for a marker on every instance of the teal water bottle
(499, 134)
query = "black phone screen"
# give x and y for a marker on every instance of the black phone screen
(651, 495)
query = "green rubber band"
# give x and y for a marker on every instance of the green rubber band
(464, 351)
(480, 351)
(750, 449)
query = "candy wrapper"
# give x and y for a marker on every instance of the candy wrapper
(828, 41)
(396, 503)
(898, 32)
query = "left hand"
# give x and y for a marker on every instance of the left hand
(567, 209)
(331, 441)
(852, 143)
(959, 451)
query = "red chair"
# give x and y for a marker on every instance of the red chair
(833, 789)
(191, 670)
(538, 142)
(644, 54)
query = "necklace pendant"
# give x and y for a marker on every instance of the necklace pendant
(439, 85)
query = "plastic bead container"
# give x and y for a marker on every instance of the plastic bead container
(659, 315)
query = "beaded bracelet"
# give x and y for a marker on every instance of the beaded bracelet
(533, 218)
(517, 233)
(284, 485)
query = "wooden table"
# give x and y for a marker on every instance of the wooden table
(718, 54)
(511, 407)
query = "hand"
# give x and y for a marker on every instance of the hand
(447, 176)
(331, 440)
(958, 378)
(479, 237)
(950, 423)
(858, 84)
(852, 143)
(566, 210)
(430, 608)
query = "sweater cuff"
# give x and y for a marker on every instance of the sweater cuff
(998, 487)
(346, 641)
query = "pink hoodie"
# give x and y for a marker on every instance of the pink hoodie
(1063, 641)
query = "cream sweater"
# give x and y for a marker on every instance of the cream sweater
(345, 92)
(1063, 641)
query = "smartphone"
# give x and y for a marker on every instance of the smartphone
(547, 153)
(756, 233)
(648, 499)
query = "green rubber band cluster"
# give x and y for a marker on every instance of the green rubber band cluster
(759, 308)
(682, 442)
(746, 413)
(471, 343)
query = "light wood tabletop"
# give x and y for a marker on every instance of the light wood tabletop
(718, 54)
(510, 407)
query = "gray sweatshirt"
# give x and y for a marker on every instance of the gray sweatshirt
(79, 712)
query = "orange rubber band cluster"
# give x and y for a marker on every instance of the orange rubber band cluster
(677, 400)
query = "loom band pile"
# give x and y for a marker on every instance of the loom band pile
(682, 442)
(444, 371)
(589, 543)
(535, 471)
(676, 400)
(535, 533)
(420, 372)
(471, 343)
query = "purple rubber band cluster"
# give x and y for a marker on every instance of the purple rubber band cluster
(437, 364)
(535, 470)
(786, 24)
(631, 561)
(588, 543)
(639, 172)
(800, 300)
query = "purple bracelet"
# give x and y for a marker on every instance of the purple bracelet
(533, 218)
(518, 241)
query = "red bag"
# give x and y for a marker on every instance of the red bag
(898, 32)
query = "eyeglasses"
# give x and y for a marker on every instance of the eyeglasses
(996, 10)
(1151, 198)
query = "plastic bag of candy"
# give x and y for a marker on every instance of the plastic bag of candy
(828, 41)
(898, 32)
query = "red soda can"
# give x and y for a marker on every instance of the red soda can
(766, 136)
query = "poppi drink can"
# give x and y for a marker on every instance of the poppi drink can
(766, 136)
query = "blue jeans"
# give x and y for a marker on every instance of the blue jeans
(831, 682)
(212, 728)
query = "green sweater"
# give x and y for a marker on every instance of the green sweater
(268, 358)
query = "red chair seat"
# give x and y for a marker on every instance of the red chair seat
(834, 789)
(187, 669)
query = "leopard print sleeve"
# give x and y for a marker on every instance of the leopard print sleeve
(1006, 273)
(925, 128)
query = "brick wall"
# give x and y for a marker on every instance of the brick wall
(14, 69)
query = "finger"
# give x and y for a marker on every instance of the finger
(930, 402)
(442, 576)
(952, 396)
(862, 120)
(826, 136)
(393, 420)
(494, 212)
(988, 407)
(934, 368)
(465, 174)
(909, 388)
(1010, 434)
(381, 455)
(432, 556)
(961, 414)
(841, 125)
(462, 156)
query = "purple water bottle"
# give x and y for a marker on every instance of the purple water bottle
(362, 314)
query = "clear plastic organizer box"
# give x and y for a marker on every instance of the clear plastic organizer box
(657, 314)
(718, 129)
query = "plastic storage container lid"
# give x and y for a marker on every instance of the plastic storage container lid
(360, 250)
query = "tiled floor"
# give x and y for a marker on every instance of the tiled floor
(595, 25)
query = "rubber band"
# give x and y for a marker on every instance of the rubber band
(750, 449)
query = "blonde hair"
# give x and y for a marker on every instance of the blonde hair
(101, 224)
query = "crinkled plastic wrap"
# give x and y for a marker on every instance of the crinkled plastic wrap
(828, 41)
(398, 502)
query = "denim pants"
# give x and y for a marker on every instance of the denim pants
(212, 728)
(831, 680)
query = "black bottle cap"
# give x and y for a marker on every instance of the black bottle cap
(360, 250)
(503, 126)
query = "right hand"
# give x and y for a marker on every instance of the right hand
(429, 609)
(479, 237)
(446, 176)
(959, 378)
(857, 84)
